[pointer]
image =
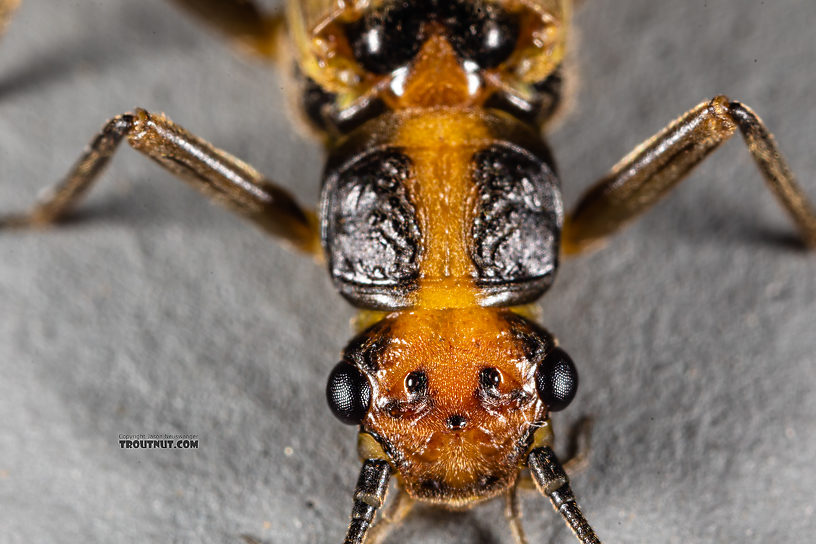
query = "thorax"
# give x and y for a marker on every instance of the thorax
(439, 190)
(441, 207)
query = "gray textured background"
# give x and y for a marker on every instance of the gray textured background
(157, 312)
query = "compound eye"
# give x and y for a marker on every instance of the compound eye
(348, 393)
(416, 383)
(386, 39)
(483, 33)
(489, 379)
(556, 380)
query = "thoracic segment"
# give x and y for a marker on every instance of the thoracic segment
(439, 201)
(444, 213)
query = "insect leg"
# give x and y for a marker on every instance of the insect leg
(369, 496)
(7, 8)
(400, 507)
(579, 438)
(218, 175)
(552, 481)
(241, 21)
(648, 173)
(512, 511)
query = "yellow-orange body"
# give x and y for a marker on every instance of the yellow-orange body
(446, 327)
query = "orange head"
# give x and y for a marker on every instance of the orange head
(453, 396)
